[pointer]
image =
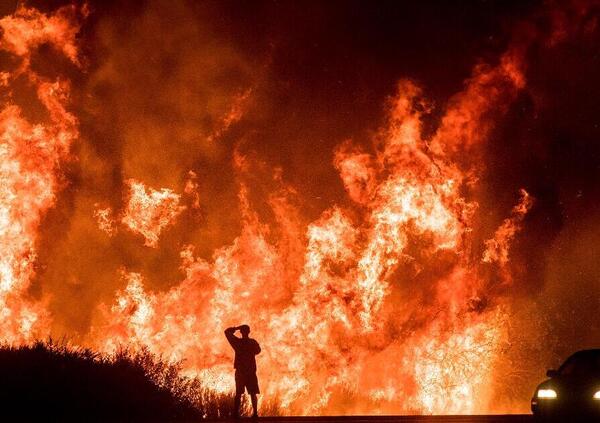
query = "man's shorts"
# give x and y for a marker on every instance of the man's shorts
(246, 380)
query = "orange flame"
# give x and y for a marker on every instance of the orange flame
(497, 248)
(31, 156)
(381, 300)
(149, 212)
(313, 328)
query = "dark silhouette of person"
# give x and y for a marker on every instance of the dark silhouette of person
(246, 349)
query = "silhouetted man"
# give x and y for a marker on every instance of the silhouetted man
(245, 366)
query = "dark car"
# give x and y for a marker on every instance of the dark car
(573, 391)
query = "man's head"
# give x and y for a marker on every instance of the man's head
(244, 330)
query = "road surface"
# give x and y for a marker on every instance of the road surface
(511, 418)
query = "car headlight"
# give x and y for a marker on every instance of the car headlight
(551, 393)
(597, 395)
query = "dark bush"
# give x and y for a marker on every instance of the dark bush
(49, 382)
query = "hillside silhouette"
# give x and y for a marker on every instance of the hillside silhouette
(49, 382)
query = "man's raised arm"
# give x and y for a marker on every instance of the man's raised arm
(229, 334)
(256, 348)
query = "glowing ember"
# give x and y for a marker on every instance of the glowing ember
(105, 221)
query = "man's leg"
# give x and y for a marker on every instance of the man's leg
(254, 404)
(236, 405)
(239, 390)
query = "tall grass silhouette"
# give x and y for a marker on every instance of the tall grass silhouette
(49, 381)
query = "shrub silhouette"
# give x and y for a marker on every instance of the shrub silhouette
(49, 382)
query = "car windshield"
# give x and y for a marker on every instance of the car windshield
(581, 364)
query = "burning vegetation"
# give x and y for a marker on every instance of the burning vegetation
(394, 298)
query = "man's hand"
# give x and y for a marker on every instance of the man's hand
(233, 329)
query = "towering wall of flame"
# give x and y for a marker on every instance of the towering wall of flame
(31, 155)
(394, 299)
(328, 325)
